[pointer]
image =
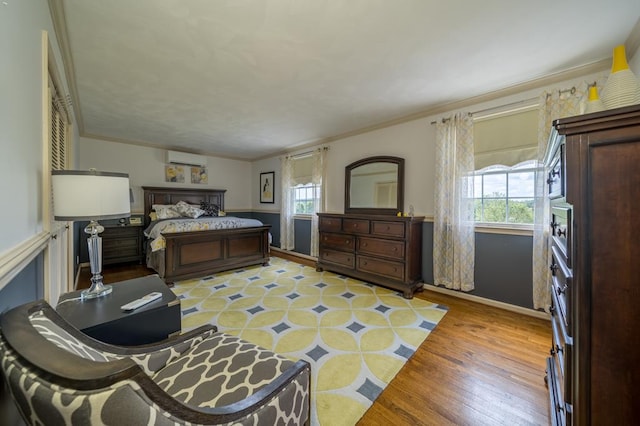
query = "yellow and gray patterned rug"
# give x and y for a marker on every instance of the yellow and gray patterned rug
(356, 336)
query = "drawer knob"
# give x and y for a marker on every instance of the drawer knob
(553, 227)
(561, 290)
(560, 232)
(558, 349)
(554, 268)
(347, 241)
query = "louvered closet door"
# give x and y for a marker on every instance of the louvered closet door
(58, 253)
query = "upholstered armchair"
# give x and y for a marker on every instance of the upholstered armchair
(57, 375)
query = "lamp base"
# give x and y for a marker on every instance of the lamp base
(97, 289)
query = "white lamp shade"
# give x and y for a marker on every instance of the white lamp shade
(90, 195)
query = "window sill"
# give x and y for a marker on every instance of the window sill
(302, 216)
(504, 228)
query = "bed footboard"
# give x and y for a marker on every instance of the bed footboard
(198, 254)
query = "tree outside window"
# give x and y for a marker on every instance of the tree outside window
(305, 197)
(505, 194)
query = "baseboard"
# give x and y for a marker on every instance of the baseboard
(294, 254)
(77, 279)
(489, 302)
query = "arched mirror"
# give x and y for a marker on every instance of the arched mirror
(374, 185)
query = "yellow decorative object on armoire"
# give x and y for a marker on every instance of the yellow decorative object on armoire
(622, 87)
(594, 103)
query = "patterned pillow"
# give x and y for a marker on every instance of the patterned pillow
(209, 208)
(187, 210)
(166, 212)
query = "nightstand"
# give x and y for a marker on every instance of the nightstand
(121, 243)
(102, 318)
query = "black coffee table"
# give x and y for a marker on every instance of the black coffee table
(102, 318)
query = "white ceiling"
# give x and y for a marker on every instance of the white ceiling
(251, 78)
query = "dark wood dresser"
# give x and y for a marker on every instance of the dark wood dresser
(385, 250)
(593, 373)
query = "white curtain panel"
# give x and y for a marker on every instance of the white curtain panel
(453, 230)
(318, 179)
(287, 237)
(553, 105)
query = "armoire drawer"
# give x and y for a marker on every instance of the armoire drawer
(338, 241)
(561, 230)
(555, 176)
(356, 226)
(377, 266)
(337, 257)
(388, 229)
(562, 350)
(561, 285)
(561, 357)
(377, 247)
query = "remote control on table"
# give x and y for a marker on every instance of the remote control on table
(142, 301)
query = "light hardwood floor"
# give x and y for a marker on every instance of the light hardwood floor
(481, 366)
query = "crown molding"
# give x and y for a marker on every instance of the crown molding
(56, 9)
(632, 44)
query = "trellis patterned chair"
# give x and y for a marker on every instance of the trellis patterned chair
(58, 375)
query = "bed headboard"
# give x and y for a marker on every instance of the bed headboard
(166, 195)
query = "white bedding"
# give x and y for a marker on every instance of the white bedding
(156, 229)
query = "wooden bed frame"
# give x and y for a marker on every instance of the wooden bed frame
(201, 253)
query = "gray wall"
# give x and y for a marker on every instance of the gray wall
(503, 268)
(272, 219)
(26, 287)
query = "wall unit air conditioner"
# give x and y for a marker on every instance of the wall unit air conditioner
(186, 158)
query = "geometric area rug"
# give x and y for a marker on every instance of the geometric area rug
(355, 335)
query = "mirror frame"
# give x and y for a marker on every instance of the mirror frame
(373, 210)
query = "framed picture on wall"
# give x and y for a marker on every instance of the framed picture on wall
(266, 187)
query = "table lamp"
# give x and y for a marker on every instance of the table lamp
(91, 195)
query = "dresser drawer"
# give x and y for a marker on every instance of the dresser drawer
(388, 248)
(338, 241)
(337, 257)
(387, 268)
(388, 229)
(561, 285)
(556, 175)
(561, 231)
(356, 226)
(330, 224)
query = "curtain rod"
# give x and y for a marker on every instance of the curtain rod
(571, 90)
(306, 153)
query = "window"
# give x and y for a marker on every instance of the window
(305, 197)
(505, 194)
(58, 136)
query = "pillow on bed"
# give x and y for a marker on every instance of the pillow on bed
(187, 210)
(209, 208)
(166, 212)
